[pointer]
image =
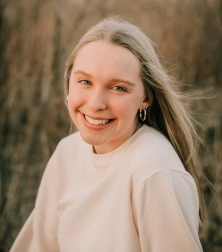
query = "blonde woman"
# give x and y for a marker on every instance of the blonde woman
(127, 180)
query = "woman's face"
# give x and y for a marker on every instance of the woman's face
(105, 93)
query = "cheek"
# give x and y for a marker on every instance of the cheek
(74, 102)
(126, 110)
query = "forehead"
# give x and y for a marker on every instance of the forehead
(108, 57)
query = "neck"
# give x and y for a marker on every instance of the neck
(96, 149)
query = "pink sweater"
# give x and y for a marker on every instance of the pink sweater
(136, 198)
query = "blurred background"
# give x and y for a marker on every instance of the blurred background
(37, 36)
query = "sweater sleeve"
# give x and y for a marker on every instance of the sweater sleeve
(166, 210)
(39, 232)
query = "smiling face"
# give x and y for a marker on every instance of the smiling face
(105, 93)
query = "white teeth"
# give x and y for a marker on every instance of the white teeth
(96, 122)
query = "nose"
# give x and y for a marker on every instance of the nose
(97, 100)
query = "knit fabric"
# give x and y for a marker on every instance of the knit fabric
(136, 198)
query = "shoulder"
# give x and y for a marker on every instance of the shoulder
(70, 141)
(149, 140)
(69, 145)
(66, 151)
(153, 153)
(65, 155)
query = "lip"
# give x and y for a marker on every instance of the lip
(96, 127)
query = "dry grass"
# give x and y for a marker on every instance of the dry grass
(37, 37)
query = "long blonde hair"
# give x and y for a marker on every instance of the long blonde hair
(166, 112)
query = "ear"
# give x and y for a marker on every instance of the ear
(146, 103)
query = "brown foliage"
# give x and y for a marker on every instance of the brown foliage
(37, 37)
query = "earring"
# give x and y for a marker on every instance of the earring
(143, 117)
(67, 98)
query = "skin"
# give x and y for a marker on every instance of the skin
(105, 84)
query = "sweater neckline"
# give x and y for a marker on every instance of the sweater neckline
(101, 162)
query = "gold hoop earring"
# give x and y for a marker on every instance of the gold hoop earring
(143, 117)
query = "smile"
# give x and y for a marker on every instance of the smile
(97, 122)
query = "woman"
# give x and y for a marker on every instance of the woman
(127, 180)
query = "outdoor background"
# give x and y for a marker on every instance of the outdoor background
(37, 36)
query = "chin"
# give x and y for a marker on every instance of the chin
(90, 139)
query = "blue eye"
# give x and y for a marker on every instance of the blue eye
(85, 82)
(120, 89)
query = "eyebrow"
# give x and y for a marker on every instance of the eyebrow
(113, 80)
(82, 72)
(124, 81)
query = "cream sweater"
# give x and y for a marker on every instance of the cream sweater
(136, 198)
